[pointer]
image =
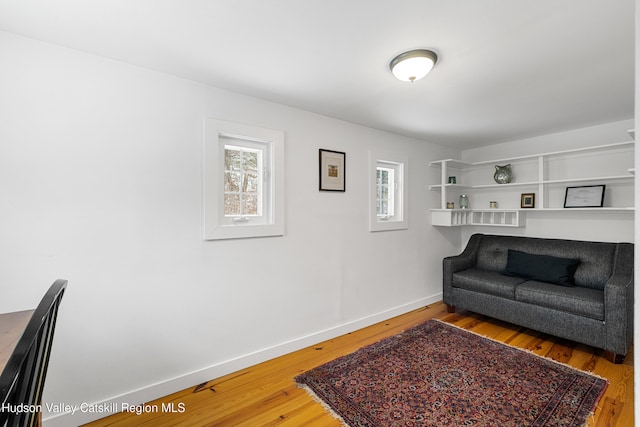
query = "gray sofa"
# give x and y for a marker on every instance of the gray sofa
(582, 291)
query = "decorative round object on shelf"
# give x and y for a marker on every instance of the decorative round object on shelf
(503, 174)
(464, 201)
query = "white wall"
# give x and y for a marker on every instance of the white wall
(597, 226)
(101, 182)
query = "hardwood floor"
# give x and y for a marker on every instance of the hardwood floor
(266, 395)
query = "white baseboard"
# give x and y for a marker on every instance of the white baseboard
(93, 411)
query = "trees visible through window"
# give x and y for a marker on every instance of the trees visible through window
(388, 191)
(246, 190)
(385, 189)
(242, 181)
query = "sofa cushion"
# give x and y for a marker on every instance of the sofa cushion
(542, 268)
(487, 282)
(596, 258)
(576, 300)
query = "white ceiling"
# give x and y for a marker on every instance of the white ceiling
(507, 69)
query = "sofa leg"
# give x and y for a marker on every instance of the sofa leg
(613, 357)
(451, 308)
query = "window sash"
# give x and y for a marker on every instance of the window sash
(385, 192)
(243, 182)
(243, 148)
(268, 181)
(388, 191)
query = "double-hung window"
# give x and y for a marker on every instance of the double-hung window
(388, 197)
(244, 181)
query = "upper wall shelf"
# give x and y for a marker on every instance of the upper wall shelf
(460, 164)
(542, 174)
(550, 181)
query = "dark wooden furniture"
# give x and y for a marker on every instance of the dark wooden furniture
(22, 379)
(12, 325)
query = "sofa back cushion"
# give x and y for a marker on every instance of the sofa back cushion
(596, 258)
(543, 268)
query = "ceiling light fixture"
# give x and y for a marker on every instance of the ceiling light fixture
(413, 65)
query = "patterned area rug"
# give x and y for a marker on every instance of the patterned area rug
(440, 375)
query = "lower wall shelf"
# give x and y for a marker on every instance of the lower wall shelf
(492, 217)
(504, 217)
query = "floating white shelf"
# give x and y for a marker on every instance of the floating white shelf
(532, 183)
(492, 217)
(541, 186)
(604, 209)
(502, 217)
(461, 164)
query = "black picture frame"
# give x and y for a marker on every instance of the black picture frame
(585, 196)
(332, 170)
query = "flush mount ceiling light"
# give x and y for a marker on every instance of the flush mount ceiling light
(413, 65)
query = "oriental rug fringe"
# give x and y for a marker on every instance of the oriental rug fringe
(436, 374)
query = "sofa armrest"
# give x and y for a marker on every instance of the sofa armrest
(452, 264)
(618, 301)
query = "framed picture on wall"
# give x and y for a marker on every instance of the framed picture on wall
(332, 170)
(586, 196)
(528, 200)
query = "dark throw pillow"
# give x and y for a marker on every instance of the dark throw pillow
(543, 268)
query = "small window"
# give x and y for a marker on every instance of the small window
(386, 187)
(244, 183)
(388, 193)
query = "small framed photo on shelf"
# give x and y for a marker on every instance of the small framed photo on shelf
(332, 170)
(586, 196)
(528, 200)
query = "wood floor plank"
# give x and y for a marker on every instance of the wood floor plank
(266, 394)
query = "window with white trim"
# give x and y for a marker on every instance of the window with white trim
(388, 192)
(244, 182)
(386, 187)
